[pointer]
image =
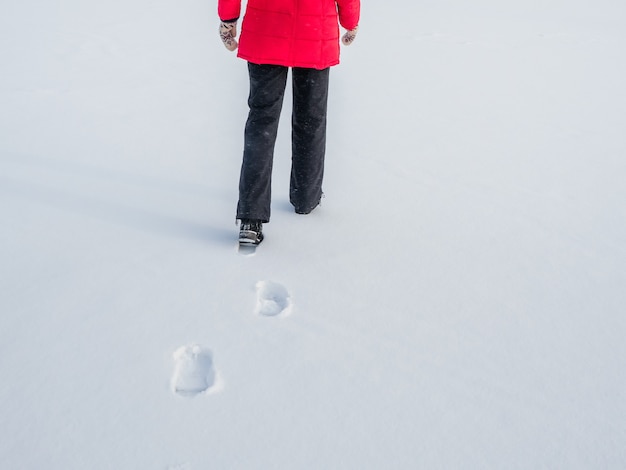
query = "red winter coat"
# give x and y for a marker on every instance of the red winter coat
(293, 33)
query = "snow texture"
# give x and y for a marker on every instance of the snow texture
(456, 303)
(194, 371)
(272, 299)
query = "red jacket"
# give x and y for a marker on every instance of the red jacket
(293, 33)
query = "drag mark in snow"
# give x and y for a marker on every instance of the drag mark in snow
(272, 299)
(194, 372)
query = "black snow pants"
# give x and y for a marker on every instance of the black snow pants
(308, 139)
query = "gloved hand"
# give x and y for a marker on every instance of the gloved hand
(349, 37)
(228, 31)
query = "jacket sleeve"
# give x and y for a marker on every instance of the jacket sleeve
(228, 9)
(349, 13)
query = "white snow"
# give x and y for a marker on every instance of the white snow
(272, 299)
(457, 301)
(194, 371)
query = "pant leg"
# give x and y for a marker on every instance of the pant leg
(308, 138)
(267, 88)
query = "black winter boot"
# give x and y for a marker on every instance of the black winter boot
(250, 232)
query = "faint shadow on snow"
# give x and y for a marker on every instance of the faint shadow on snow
(118, 213)
(272, 299)
(194, 372)
(282, 205)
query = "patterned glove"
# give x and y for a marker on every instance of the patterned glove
(228, 31)
(349, 37)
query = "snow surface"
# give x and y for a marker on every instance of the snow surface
(457, 302)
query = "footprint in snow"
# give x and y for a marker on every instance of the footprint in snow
(272, 299)
(194, 372)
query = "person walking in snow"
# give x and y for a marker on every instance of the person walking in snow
(277, 35)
